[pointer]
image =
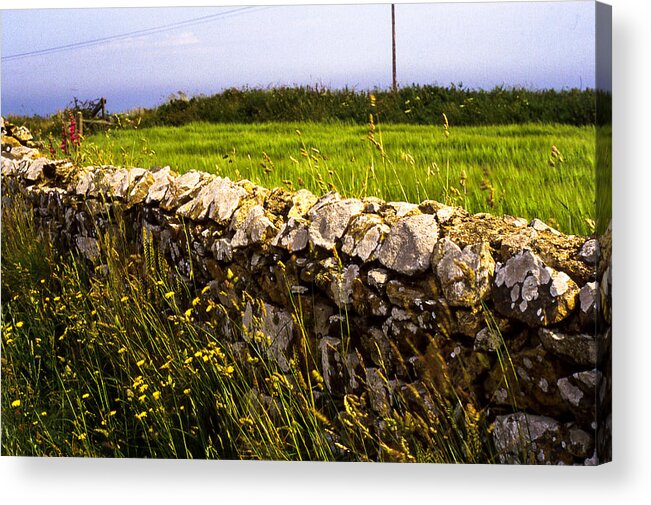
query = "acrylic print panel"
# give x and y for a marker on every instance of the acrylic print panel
(355, 233)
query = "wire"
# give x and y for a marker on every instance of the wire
(137, 33)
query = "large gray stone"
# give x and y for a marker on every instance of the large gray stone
(183, 188)
(34, 170)
(408, 247)
(293, 235)
(329, 221)
(255, 228)
(218, 200)
(364, 236)
(465, 275)
(160, 186)
(530, 291)
(589, 252)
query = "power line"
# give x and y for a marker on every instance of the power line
(137, 33)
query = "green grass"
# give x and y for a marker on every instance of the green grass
(497, 169)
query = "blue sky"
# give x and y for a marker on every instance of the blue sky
(531, 44)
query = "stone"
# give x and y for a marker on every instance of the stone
(331, 364)
(465, 275)
(160, 186)
(222, 249)
(279, 325)
(513, 243)
(528, 290)
(589, 252)
(217, 200)
(372, 204)
(255, 228)
(183, 188)
(487, 340)
(377, 277)
(469, 321)
(402, 209)
(274, 323)
(378, 346)
(403, 295)
(302, 202)
(13, 150)
(140, 188)
(580, 349)
(329, 221)
(525, 438)
(363, 236)
(341, 286)
(408, 247)
(538, 225)
(85, 182)
(518, 222)
(528, 379)
(9, 167)
(22, 134)
(366, 302)
(293, 235)
(117, 183)
(89, 248)
(34, 170)
(579, 391)
(588, 298)
(580, 443)
(378, 392)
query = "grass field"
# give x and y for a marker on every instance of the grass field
(497, 169)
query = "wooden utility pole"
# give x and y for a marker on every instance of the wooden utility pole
(393, 44)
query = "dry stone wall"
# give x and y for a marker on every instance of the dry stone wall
(390, 293)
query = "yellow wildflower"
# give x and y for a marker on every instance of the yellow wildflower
(156, 395)
(169, 294)
(124, 299)
(142, 415)
(186, 391)
(15, 403)
(140, 363)
(19, 324)
(85, 395)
